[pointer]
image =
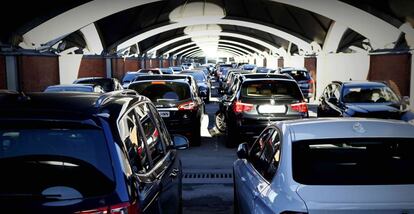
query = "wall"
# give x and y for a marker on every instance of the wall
(69, 68)
(280, 62)
(37, 72)
(340, 67)
(3, 80)
(165, 63)
(294, 61)
(92, 67)
(393, 68)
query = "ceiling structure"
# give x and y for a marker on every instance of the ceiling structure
(237, 27)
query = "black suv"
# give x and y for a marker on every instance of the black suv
(87, 153)
(361, 99)
(108, 84)
(178, 104)
(257, 102)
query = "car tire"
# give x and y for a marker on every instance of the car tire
(319, 112)
(196, 138)
(220, 122)
(232, 138)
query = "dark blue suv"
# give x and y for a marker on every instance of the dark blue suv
(87, 153)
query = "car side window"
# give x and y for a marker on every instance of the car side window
(133, 143)
(165, 135)
(260, 151)
(156, 147)
(335, 92)
(272, 156)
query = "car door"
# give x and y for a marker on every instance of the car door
(250, 174)
(171, 179)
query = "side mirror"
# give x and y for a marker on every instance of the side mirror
(333, 100)
(242, 151)
(180, 142)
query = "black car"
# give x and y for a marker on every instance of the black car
(87, 153)
(258, 101)
(178, 104)
(108, 84)
(304, 79)
(361, 99)
(203, 82)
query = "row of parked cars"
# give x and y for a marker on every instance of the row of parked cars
(290, 164)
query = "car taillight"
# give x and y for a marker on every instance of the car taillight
(240, 107)
(300, 107)
(124, 208)
(188, 106)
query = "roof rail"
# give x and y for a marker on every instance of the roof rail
(104, 97)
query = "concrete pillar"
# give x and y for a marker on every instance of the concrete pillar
(11, 73)
(108, 67)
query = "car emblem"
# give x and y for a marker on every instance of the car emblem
(358, 128)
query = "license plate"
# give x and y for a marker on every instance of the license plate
(272, 109)
(164, 113)
(304, 85)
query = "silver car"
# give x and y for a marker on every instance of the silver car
(349, 165)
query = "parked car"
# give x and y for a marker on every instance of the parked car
(108, 84)
(222, 69)
(247, 67)
(263, 70)
(229, 94)
(203, 82)
(346, 165)
(129, 77)
(361, 99)
(256, 102)
(75, 88)
(178, 104)
(176, 69)
(87, 153)
(304, 79)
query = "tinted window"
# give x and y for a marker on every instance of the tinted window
(198, 76)
(35, 160)
(69, 89)
(159, 91)
(354, 161)
(155, 144)
(259, 147)
(129, 77)
(369, 95)
(167, 71)
(149, 71)
(298, 75)
(271, 89)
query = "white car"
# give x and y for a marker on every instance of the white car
(347, 165)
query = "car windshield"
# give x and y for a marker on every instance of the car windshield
(69, 89)
(353, 161)
(129, 77)
(158, 91)
(166, 71)
(198, 76)
(271, 89)
(106, 84)
(298, 75)
(38, 160)
(149, 71)
(367, 94)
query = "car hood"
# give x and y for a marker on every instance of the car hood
(357, 198)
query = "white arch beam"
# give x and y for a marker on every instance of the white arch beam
(201, 54)
(177, 48)
(198, 51)
(245, 51)
(75, 19)
(333, 37)
(190, 50)
(233, 35)
(380, 33)
(147, 34)
(232, 50)
(185, 50)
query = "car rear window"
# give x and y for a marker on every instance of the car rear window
(198, 76)
(271, 89)
(106, 84)
(369, 94)
(69, 89)
(158, 91)
(298, 75)
(35, 161)
(129, 77)
(353, 161)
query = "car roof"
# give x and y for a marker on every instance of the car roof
(159, 80)
(89, 85)
(92, 78)
(293, 69)
(334, 128)
(259, 75)
(362, 83)
(65, 106)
